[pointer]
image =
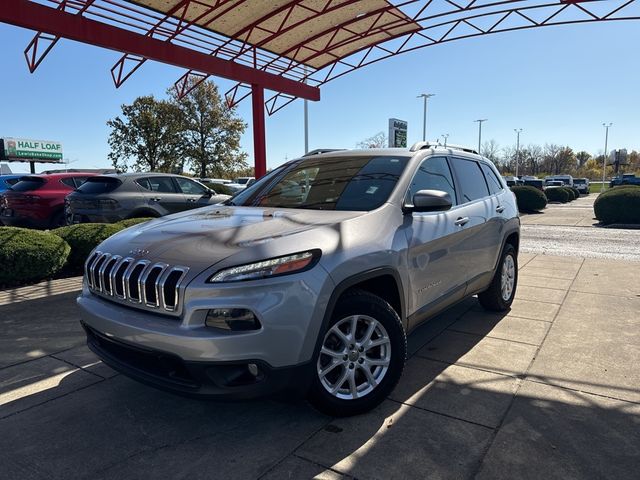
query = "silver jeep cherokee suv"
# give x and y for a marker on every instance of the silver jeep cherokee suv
(309, 280)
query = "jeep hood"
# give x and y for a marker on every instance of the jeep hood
(203, 237)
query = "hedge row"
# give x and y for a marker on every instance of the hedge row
(618, 205)
(29, 256)
(529, 199)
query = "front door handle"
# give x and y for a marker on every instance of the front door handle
(192, 200)
(461, 221)
(156, 199)
(499, 209)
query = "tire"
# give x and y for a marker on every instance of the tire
(144, 213)
(495, 298)
(58, 220)
(373, 317)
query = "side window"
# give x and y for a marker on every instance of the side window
(470, 178)
(79, 180)
(433, 174)
(157, 184)
(190, 187)
(68, 182)
(494, 184)
(144, 183)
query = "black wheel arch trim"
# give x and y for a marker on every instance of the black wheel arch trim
(352, 281)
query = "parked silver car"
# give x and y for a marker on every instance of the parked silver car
(312, 292)
(110, 198)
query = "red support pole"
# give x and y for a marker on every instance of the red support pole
(259, 141)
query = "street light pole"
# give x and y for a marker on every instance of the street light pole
(425, 96)
(604, 159)
(517, 130)
(480, 122)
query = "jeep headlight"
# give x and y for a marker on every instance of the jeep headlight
(294, 263)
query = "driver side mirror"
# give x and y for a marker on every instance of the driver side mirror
(429, 201)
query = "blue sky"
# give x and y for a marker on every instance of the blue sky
(557, 83)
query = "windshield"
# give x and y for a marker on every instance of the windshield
(345, 183)
(27, 184)
(99, 185)
(579, 180)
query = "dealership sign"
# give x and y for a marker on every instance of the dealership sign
(397, 133)
(27, 149)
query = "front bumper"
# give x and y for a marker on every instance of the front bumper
(219, 380)
(290, 310)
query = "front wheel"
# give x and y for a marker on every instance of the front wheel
(361, 356)
(500, 294)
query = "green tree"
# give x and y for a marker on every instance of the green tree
(582, 157)
(147, 136)
(211, 132)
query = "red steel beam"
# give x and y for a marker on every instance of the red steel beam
(259, 133)
(26, 14)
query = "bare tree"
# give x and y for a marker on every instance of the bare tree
(379, 140)
(491, 150)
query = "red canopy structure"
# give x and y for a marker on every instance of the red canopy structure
(290, 47)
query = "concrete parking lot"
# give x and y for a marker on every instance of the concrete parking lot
(550, 390)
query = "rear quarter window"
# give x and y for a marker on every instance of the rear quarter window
(493, 182)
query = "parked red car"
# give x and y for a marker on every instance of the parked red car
(38, 200)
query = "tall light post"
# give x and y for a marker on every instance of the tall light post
(480, 122)
(518, 131)
(425, 96)
(606, 144)
(446, 136)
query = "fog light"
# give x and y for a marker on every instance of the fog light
(253, 369)
(235, 319)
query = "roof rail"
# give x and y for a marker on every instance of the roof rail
(318, 151)
(424, 145)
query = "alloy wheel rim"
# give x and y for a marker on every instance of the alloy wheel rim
(354, 358)
(508, 278)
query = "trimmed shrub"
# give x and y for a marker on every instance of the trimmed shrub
(29, 255)
(130, 222)
(530, 199)
(557, 194)
(572, 195)
(576, 192)
(83, 238)
(619, 205)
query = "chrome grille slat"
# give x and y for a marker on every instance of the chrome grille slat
(103, 270)
(106, 259)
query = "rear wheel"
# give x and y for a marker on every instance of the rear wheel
(361, 356)
(500, 294)
(58, 220)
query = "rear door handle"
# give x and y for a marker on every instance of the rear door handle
(156, 199)
(499, 209)
(461, 221)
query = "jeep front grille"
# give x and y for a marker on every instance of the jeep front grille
(138, 282)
